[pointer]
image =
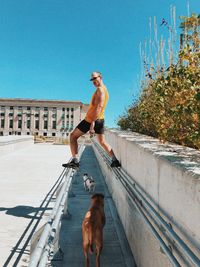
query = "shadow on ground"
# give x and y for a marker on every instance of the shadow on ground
(24, 211)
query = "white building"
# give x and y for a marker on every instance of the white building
(40, 117)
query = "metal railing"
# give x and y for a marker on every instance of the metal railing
(162, 231)
(45, 245)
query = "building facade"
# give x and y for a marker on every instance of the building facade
(40, 117)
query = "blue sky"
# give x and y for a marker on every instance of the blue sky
(48, 48)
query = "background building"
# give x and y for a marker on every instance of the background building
(40, 117)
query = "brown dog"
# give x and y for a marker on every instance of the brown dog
(92, 228)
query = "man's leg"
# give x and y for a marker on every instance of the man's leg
(108, 149)
(74, 141)
(74, 163)
(106, 146)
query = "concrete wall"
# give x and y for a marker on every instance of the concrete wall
(12, 143)
(170, 175)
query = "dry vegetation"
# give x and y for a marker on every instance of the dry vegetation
(169, 106)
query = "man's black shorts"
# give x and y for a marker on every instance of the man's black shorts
(84, 126)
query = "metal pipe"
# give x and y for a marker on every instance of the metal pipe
(35, 257)
(41, 253)
(44, 258)
(56, 211)
(167, 251)
(122, 175)
(59, 198)
(166, 227)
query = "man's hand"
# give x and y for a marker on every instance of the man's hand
(92, 128)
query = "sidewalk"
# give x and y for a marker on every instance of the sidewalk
(26, 177)
(116, 251)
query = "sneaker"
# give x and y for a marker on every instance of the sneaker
(115, 164)
(72, 164)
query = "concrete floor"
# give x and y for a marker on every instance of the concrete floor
(116, 251)
(26, 178)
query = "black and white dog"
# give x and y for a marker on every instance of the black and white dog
(89, 183)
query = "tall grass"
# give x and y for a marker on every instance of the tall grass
(169, 105)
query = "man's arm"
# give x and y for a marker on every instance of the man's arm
(99, 100)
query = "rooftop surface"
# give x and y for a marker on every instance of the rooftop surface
(27, 176)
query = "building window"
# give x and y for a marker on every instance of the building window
(54, 116)
(37, 115)
(19, 124)
(28, 133)
(45, 109)
(44, 134)
(11, 108)
(45, 124)
(19, 133)
(2, 114)
(67, 116)
(54, 124)
(67, 109)
(71, 128)
(2, 107)
(37, 124)
(72, 109)
(28, 108)
(45, 115)
(2, 123)
(19, 108)
(72, 116)
(53, 134)
(1, 133)
(54, 109)
(37, 108)
(11, 124)
(63, 109)
(10, 114)
(28, 124)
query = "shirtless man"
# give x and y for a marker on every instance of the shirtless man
(93, 122)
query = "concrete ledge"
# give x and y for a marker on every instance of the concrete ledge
(12, 143)
(170, 176)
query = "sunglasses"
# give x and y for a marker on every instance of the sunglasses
(94, 78)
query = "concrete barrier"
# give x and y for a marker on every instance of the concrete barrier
(12, 143)
(170, 176)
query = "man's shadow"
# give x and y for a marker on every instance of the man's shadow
(24, 211)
